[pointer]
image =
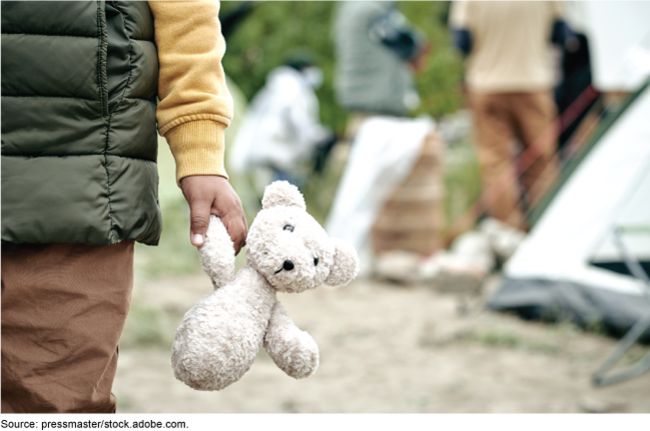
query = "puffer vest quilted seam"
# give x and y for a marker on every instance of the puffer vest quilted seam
(147, 232)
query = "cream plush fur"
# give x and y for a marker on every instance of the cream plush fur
(287, 251)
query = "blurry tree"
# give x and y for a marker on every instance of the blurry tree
(273, 29)
(439, 85)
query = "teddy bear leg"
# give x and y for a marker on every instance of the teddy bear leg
(214, 345)
(294, 351)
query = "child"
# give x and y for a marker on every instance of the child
(79, 180)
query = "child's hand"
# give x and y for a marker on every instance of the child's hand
(213, 194)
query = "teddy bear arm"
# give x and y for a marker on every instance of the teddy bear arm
(217, 254)
(294, 351)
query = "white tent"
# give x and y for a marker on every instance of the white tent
(567, 264)
(570, 264)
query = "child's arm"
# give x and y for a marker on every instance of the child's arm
(194, 110)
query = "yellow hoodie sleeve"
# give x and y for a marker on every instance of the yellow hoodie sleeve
(195, 105)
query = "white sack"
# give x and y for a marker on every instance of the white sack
(383, 154)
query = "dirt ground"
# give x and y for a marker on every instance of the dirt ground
(388, 349)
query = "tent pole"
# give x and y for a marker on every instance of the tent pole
(641, 366)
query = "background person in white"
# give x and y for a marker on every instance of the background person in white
(281, 131)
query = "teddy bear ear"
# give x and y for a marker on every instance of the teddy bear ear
(346, 264)
(282, 193)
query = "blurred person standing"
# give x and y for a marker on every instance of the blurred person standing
(80, 184)
(377, 51)
(510, 79)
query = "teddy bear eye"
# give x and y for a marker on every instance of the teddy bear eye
(315, 261)
(289, 228)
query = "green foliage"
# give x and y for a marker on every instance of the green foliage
(148, 327)
(271, 32)
(462, 180)
(439, 85)
(508, 339)
(174, 255)
(320, 191)
(275, 29)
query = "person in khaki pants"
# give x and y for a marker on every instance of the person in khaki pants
(509, 78)
(79, 181)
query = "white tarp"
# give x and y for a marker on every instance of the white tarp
(383, 154)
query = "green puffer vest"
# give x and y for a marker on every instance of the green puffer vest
(79, 142)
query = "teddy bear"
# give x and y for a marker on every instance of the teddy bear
(287, 251)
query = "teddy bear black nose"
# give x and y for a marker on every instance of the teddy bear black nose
(288, 265)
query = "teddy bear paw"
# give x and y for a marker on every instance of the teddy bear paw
(298, 356)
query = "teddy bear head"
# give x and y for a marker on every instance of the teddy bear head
(291, 250)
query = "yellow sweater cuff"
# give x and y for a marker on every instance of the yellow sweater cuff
(198, 148)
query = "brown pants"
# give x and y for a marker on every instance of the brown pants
(501, 119)
(63, 310)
